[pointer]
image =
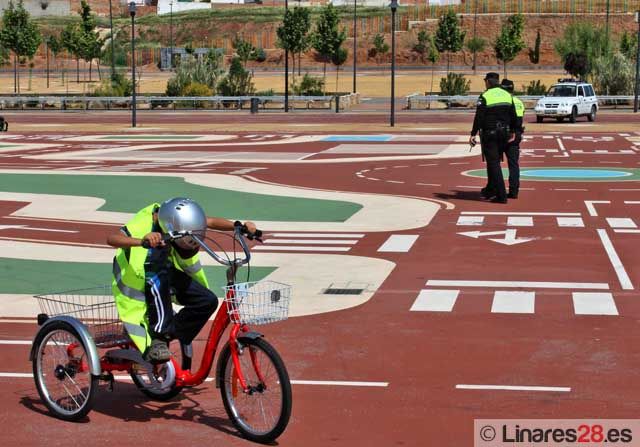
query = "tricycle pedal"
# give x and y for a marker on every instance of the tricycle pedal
(108, 377)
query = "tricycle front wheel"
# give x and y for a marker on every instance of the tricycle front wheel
(262, 413)
(61, 372)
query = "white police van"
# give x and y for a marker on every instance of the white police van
(568, 99)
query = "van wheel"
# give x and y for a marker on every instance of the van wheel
(574, 115)
(539, 118)
(592, 116)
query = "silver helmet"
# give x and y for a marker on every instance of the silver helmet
(181, 214)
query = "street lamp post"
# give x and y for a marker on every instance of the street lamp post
(113, 54)
(635, 101)
(171, 34)
(394, 7)
(132, 12)
(286, 67)
(355, 45)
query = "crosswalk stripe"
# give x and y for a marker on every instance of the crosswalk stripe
(398, 243)
(594, 304)
(333, 235)
(435, 300)
(509, 302)
(520, 221)
(470, 220)
(570, 221)
(621, 222)
(310, 241)
(298, 248)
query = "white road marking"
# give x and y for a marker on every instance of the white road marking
(508, 302)
(395, 181)
(470, 220)
(27, 227)
(510, 236)
(310, 241)
(626, 231)
(623, 190)
(211, 379)
(621, 222)
(398, 243)
(520, 221)
(518, 284)
(625, 282)
(592, 209)
(435, 300)
(570, 221)
(632, 202)
(554, 389)
(16, 342)
(334, 235)
(506, 213)
(298, 248)
(429, 184)
(594, 304)
(570, 189)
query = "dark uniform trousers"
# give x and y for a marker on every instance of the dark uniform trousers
(163, 280)
(513, 155)
(493, 144)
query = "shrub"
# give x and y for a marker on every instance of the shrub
(119, 85)
(309, 86)
(269, 92)
(259, 55)
(206, 71)
(238, 81)
(454, 84)
(535, 88)
(613, 75)
(197, 89)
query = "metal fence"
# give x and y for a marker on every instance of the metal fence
(419, 102)
(165, 102)
(538, 7)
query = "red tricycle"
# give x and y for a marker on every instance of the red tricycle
(81, 342)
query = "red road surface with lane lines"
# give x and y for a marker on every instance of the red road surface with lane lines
(524, 294)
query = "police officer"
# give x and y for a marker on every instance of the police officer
(495, 120)
(513, 149)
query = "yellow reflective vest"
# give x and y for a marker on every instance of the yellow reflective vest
(128, 282)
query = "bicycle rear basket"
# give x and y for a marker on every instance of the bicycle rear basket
(94, 307)
(258, 302)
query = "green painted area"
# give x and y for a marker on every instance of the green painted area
(151, 137)
(4, 146)
(33, 277)
(564, 174)
(129, 194)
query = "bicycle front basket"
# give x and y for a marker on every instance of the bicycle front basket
(258, 302)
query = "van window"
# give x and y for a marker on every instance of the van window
(580, 91)
(590, 91)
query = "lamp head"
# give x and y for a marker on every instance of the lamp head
(393, 5)
(132, 8)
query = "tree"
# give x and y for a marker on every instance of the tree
(432, 56)
(293, 33)
(20, 35)
(70, 38)
(339, 58)
(577, 65)
(583, 39)
(449, 37)
(90, 44)
(534, 54)
(327, 38)
(380, 47)
(238, 81)
(244, 49)
(613, 75)
(421, 46)
(629, 46)
(426, 48)
(191, 70)
(475, 45)
(510, 41)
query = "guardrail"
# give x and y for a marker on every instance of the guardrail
(417, 101)
(335, 102)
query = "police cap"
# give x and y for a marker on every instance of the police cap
(507, 85)
(492, 75)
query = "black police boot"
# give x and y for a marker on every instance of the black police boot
(513, 194)
(498, 199)
(487, 193)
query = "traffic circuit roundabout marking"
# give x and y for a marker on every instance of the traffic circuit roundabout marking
(569, 174)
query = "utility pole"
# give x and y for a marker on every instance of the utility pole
(355, 45)
(635, 101)
(394, 7)
(171, 33)
(132, 12)
(286, 67)
(113, 54)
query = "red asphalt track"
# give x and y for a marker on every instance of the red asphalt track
(422, 355)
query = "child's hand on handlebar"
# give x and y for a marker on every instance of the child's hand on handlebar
(152, 240)
(250, 226)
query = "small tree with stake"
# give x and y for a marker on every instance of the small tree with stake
(449, 37)
(327, 38)
(510, 41)
(20, 35)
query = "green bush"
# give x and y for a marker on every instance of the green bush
(535, 88)
(269, 92)
(206, 71)
(258, 55)
(308, 86)
(238, 81)
(119, 85)
(613, 75)
(196, 89)
(454, 84)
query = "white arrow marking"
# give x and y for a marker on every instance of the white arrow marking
(7, 227)
(510, 237)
